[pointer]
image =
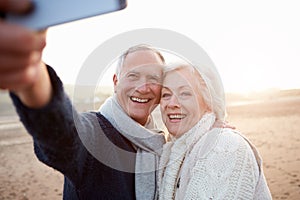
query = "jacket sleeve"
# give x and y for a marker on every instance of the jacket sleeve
(56, 142)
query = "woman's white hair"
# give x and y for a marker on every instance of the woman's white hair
(210, 85)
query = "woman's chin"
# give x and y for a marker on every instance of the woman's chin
(176, 133)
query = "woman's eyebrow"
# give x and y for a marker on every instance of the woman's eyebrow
(165, 87)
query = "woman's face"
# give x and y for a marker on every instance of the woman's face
(181, 104)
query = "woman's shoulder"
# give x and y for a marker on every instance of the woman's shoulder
(223, 143)
(229, 140)
(228, 169)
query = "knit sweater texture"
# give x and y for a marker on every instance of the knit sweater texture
(211, 163)
(58, 144)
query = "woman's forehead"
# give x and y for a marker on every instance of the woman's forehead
(179, 78)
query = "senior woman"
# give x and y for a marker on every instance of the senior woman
(202, 161)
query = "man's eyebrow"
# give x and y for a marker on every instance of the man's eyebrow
(131, 72)
(155, 76)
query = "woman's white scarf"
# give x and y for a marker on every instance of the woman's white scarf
(148, 143)
(174, 153)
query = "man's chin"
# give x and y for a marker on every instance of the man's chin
(140, 116)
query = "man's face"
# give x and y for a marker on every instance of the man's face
(138, 86)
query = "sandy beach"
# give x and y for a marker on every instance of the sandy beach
(272, 123)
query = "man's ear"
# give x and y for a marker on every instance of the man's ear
(115, 80)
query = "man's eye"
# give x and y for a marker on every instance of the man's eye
(132, 76)
(154, 79)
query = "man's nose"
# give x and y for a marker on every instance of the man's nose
(143, 87)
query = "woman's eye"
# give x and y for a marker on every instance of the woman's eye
(165, 95)
(185, 94)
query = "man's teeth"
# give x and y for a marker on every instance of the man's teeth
(176, 116)
(139, 100)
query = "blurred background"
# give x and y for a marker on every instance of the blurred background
(255, 46)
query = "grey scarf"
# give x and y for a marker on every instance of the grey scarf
(148, 143)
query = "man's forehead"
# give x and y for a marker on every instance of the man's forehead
(146, 68)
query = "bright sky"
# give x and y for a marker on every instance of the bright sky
(254, 44)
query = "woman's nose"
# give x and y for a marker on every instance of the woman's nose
(173, 102)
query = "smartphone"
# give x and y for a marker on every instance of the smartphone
(46, 13)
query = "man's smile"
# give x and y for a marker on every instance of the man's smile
(139, 100)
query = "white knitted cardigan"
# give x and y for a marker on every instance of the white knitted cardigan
(207, 163)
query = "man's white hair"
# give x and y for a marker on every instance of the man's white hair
(139, 47)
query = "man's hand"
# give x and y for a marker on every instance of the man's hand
(15, 6)
(21, 68)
